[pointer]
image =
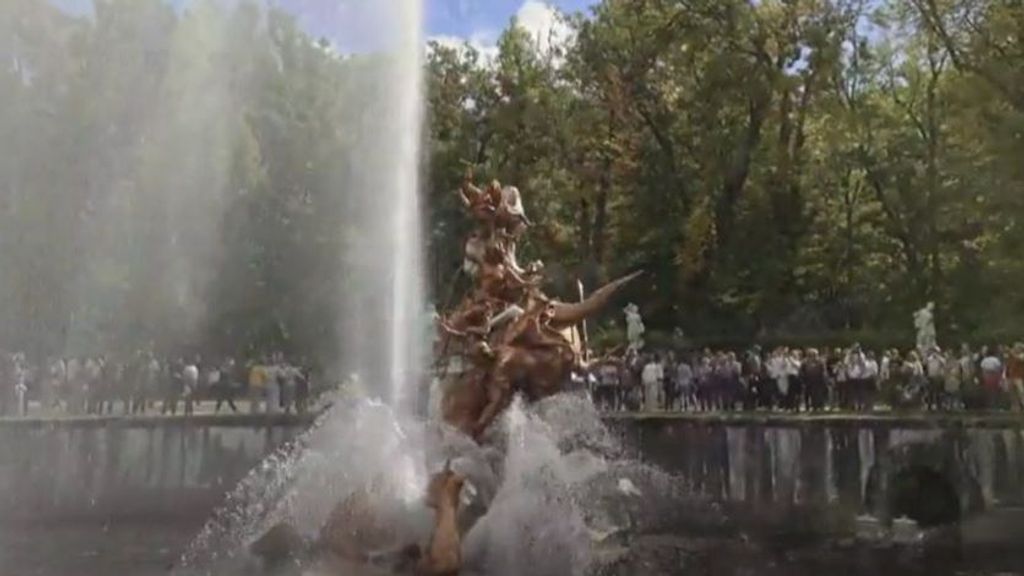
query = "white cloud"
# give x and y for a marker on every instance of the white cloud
(447, 41)
(539, 19)
(484, 42)
(544, 23)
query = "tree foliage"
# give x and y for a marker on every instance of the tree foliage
(779, 168)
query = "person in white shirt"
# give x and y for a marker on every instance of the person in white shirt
(885, 368)
(792, 362)
(992, 380)
(850, 394)
(651, 377)
(777, 371)
(92, 373)
(190, 386)
(273, 383)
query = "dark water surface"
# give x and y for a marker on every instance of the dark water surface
(91, 549)
(150, 549)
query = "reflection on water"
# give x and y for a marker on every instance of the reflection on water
(741, 499)
(93, 549)
(150, 549)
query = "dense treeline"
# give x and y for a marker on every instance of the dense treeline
(780, 168)
(171, 179)
(787, 169)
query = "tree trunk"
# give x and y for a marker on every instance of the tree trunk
(598, 241)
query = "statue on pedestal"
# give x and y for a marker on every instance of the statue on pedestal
(634, 328)
(924, 324)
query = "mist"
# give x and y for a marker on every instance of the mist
(196, 179)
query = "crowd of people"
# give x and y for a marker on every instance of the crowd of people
(145, 383)
(785, 379)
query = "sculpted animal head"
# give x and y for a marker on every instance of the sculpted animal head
(444, 488)
(566, 314)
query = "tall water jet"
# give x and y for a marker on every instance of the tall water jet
(384, 289)
(406, 262)
(375, 439)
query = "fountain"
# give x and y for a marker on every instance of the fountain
(357, 490)
(371, 485)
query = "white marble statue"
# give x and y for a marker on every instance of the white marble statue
(924, 323)
(431, 321)
(634, 327)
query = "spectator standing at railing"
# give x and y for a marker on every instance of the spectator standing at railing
(884, 370)
(794, 359)
(19, 379)
(606, 395)
(132, 382)
(1015, 376)
(6, 382)
(669, 389)
(754, 378)
(141, 385)
(955, 383)
(992, 380)
(225, 385)
(272, 387)
(632, 388)
(257, 386)
(814, 376)
(302, 389)
(190, 386)
(916, 379)
(91, 371)
(780, 373)
(686, 385)
(854, 366)
(736, 391)
(288, 380)
(73, 386)
(111, 380)
(151, 381)
(720, 384)
(872, 370)
(171, 381)
(652, 376)
(54, 389)
(935, 370)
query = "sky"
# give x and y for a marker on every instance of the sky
(476, 21)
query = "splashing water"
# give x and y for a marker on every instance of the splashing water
(351, 446)
(354, 444)
(538, 494)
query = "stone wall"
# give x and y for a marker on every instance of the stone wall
(855, 464)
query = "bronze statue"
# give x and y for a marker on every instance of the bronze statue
(443, 554)
(511, 334)
(512, 338)
(355, 535)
